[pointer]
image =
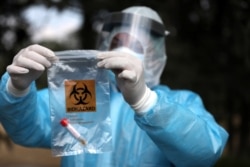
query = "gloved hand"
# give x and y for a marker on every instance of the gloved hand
(27, 66)
(130, 78)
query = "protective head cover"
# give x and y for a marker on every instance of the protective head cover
(141, 30)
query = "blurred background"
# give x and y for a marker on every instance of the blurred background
(208, 52)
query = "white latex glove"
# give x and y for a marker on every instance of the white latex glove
(27, 66)
(130, 78)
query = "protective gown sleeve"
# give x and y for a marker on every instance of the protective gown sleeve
(183, 130)
(26, 122)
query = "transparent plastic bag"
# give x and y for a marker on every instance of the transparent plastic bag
(79, 104)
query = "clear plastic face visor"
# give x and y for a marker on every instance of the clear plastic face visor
(131, 31)
(144, 36)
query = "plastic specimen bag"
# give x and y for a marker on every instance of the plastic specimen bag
(79, 104)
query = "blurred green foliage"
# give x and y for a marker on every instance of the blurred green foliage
(230, 161)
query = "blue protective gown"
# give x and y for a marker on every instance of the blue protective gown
(177, 131)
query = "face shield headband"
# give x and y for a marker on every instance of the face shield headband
(132, 21)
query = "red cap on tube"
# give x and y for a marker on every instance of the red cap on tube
(64, 122)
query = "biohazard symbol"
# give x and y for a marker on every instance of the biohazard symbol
(81, 94)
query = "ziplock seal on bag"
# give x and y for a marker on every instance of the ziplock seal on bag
(79, 99)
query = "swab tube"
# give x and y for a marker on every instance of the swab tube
(65, 123)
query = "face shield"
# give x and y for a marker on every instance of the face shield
(140, 32)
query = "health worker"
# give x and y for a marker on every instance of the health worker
(152, 125)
